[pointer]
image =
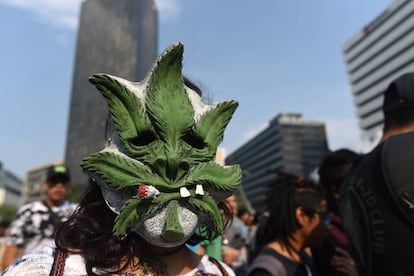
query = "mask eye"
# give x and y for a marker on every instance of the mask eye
(144, 138)
(194, 140)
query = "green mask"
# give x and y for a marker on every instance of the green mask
(157, 171)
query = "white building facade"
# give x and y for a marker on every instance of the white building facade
(379, 53)
(10, 187)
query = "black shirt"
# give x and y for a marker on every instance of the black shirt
(306, 268)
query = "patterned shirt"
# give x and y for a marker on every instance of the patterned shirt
(40, 264)
(34, 225)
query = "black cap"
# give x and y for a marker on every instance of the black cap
(399, 94)
(55, 172)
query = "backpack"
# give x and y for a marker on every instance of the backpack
(399, 176)
(376, 206)
(268, 263)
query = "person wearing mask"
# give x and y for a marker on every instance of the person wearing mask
(154, 188)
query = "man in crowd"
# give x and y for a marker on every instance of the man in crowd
(377, 202)
(35, 222)
(333, 257)
(235, 238)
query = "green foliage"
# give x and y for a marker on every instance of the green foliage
(7, 212)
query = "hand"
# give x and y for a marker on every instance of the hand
(229, 255)
(344, 263)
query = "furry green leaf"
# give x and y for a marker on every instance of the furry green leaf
(128, 216)
(120, 172)
(167, 103)
(126, 109)
(215, 176)
(212, 124)
(207, 205)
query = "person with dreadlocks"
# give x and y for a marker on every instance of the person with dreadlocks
(154, 187)
(296, 213)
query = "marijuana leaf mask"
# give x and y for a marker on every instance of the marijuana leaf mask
(157, 171)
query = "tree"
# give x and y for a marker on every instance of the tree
(7, 213)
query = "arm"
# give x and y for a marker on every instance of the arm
(229, 255)
(11, 253)
(344, 263)
(15, 238)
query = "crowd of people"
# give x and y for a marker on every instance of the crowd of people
(158, 205)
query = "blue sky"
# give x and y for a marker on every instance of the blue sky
(272, 56)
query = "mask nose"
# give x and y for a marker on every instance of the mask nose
(172, 231)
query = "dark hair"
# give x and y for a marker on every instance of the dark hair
(288, 193)
(332, 172)
(398, 118)
(89, 232)
(193, 86)
(243, 211)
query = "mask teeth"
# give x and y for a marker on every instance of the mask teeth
(199, 189)
(184, 192)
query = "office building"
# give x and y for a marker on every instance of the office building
(380, 52)
(10, 187)
(115, 37)
(289, 144)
